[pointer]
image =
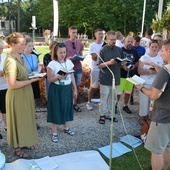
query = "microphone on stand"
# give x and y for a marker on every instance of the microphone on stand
(113, 110)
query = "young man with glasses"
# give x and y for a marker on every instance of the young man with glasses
(73, 46)
(108, 54)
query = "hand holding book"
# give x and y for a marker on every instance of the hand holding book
(136, 80)
(119, 60)
(78, 57)
(64, 72)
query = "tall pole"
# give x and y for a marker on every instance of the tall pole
(143, 18)
(55, 26)
(33, 24)
(160, 9)
(9, 16)
(19, 10)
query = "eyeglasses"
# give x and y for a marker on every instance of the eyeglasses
(73, 45)
(61, 44)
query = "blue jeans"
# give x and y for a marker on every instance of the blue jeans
(78, 76)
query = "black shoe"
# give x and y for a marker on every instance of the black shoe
(131, 101)
(1, 136)
(127, 110)
(114, 119)
(116, 112)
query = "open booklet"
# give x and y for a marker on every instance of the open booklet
(38, 75)
(118, 60)
(136, 80)
(64, 72)
(78, 57)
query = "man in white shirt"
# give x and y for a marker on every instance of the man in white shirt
(94, 76)
(146, 40)
(119, 39)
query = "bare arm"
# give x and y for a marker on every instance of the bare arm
(1, 73)
(108, 63)
(153, 65)
(151, 93)
(51, 77)
(74, 85)
(94, 56)
(15, 84)
(142, 71)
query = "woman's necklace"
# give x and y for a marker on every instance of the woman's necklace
(63, 66)
(30, 63)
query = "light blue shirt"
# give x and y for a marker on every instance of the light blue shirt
(31, 61)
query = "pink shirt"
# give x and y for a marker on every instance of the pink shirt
(71, 52)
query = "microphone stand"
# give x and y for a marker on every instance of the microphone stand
(113, 111)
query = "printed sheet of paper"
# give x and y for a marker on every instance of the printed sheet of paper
(118, 149)
(46, 163)
(131, 140)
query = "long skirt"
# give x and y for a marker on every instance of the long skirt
(60, 104)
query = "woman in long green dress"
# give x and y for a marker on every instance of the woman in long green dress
(20, 107)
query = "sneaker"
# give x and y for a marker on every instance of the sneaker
(126, 109)
(54, 138)
(89, 106)
(69, 132)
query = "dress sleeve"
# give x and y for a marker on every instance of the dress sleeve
(10, 68)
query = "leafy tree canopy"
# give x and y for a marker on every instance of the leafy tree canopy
(87, 15)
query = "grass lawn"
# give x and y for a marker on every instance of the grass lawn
(40, 49)
(131, 162)
(43, 50)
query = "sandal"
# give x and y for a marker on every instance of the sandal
(102, 120)
(54, 138)
(68, 131)
(76, 108)
(21, 154)
(29, 147)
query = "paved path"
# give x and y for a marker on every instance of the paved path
(89, 134)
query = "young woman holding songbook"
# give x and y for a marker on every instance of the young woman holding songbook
(149, 65)
(60, 94)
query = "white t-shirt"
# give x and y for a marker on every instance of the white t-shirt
(3, 84)
(145, 42)
(157, 60)
(119, 43)
(95, 48)
(56, 66)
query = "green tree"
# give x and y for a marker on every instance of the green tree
(160, 24)
(122, 15)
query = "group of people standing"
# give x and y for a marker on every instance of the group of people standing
(18, 91)
(62, 89)
(149, 58)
